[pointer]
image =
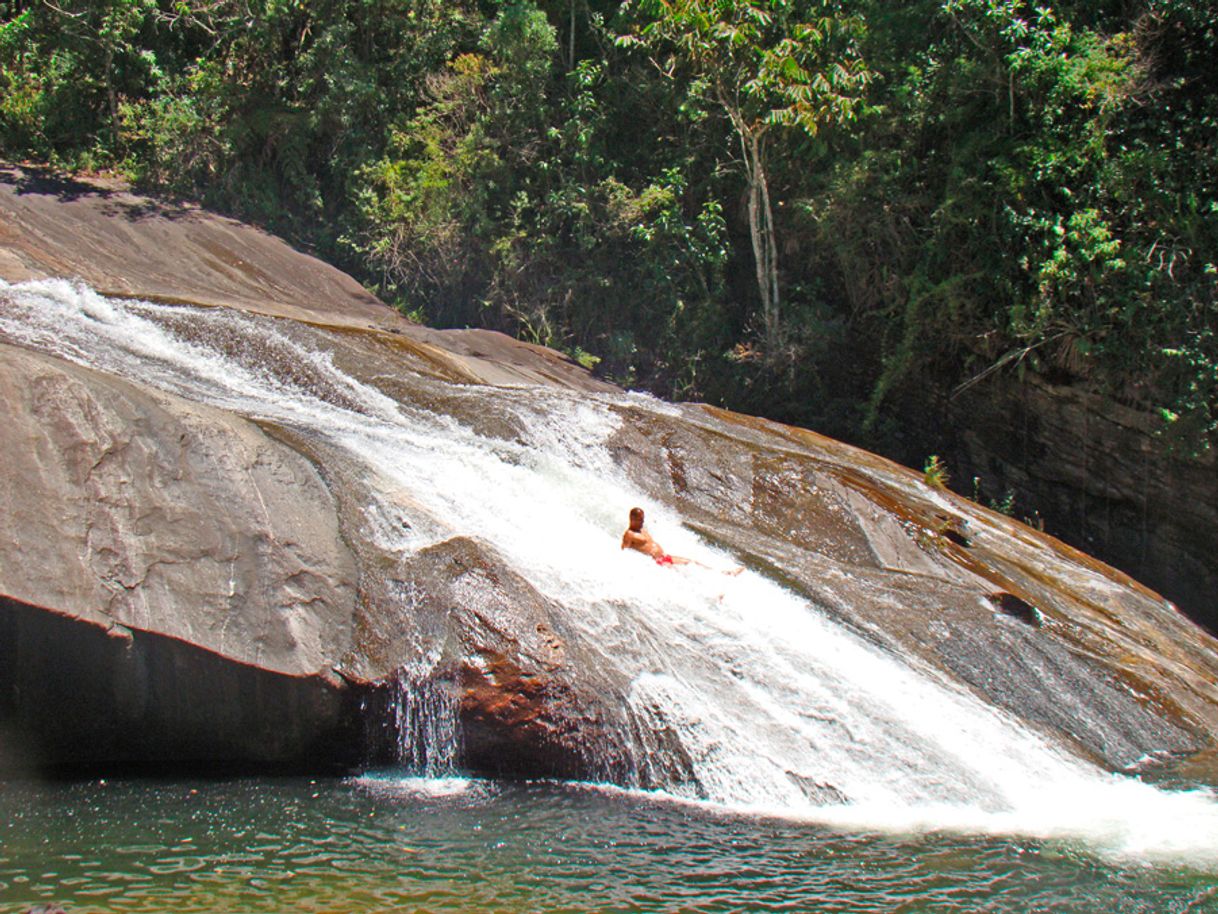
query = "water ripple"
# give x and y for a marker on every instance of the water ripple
(379, 843)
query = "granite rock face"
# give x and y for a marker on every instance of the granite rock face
(182, 584)
(1040, 629)
(1098, 472)
(187, 583)
(121, 499)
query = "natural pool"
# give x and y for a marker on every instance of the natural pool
(385, 843)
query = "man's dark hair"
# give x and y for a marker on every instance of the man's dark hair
(636, 513)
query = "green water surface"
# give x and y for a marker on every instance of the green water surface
(383, 843)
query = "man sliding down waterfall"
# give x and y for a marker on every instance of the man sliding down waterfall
(639, 539)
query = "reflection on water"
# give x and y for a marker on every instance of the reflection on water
(452, 845)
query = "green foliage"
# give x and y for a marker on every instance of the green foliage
(655, 187)
(1192, 371)
(64, 68)
(1005, 504)
(491, 209)
(788, 63)
(935, 473)
(772, 64)
(1060, 213)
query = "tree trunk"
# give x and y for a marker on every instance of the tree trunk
(571, 41)
(765, 248)
(112, 93)
(774, 334)
(761, 223)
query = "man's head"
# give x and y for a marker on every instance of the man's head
(636, 519)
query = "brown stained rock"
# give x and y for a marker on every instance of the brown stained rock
(530, 701)
(528, 723)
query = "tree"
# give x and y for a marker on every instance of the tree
(64, 66)
(770, 65)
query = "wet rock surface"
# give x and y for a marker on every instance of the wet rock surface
(531, 700)
(1103, 475)
(1110, 667)
(227, 594)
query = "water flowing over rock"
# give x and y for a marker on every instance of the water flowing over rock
(251, 515)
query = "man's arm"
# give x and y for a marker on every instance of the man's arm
(641, 541)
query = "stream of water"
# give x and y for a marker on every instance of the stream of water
(784, 714)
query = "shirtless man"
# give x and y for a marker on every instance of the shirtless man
(636, 537)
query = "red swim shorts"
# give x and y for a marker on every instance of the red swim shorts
(663, 559)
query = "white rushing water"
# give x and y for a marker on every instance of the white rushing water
(780, 710)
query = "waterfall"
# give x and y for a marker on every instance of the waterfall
(776, 707)
(424, 717)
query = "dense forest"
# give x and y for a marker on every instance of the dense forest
(814, 210)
